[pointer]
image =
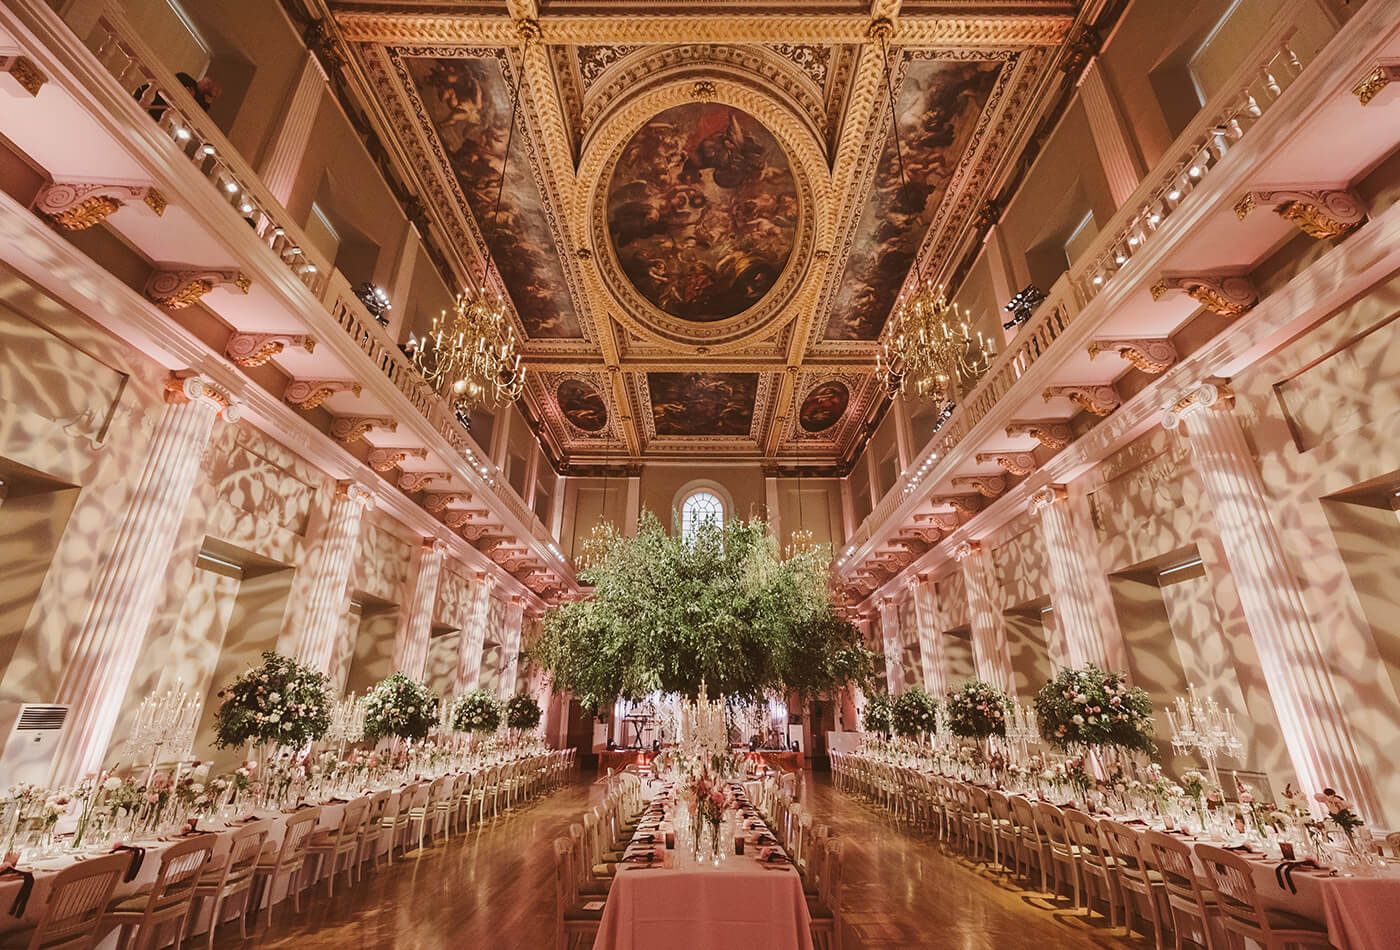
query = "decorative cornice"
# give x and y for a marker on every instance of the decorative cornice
(187, 386)
(1318, 212)
(350, 429)
(1225, 294)
(255, 349)
(24, 73)
(1381, 75)
(178, 289)
(308, 394)
(412, 482)
(1100, 400)
(1152, 356)
(988, 486)
(76, 206)
(1051, 433)
(1215, 396)
(1017, 463)
(381, 460)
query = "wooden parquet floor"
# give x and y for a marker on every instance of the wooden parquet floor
(494, 888)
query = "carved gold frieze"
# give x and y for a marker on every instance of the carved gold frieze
(350, 429)
(1099, 400)
(1227, 295)
(1318, 212)
(308, 394)
(24, 73)
(255, 349)
(1150, 356)
(178, 289)
(382, 460)
(1017, 463)
(988, 486)
(1051, 433)
(1370, 85)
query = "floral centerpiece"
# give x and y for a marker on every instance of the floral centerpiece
(279, 702)
(523, 712)
(1341, 814)
(476, 711)
(876, 716)
(401, 707)
(708, 797)
(1089, 707)
(977, 710)
(914, 713)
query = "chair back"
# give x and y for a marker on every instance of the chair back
(352, 819)
(1025, 818)
(1171, 858)
(1084, 831)
(378, 806)
(77, 899)
(565, 893)
(1232, 879)
(999, 805)
(1051, 822)
(832, 880)
(1126, 848)
(297, 836)
(245, 847)
(180, 867)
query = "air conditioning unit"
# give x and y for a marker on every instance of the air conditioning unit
(31, 732)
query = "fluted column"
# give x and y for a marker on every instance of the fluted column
(106, 646)
(1110, 133)
(991, 653)
(473, 636)
(1291, 654)
(889, 639)
(510, 661)
(931, 653)
(1084, 614)
(326, 601)
(288, 146)
(416, 618)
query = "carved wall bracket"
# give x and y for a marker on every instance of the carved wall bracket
(1384, 73)
(1150, 356)
(988, 486)
(1318, 212)
(1100, 400)
(308, 394)
(381, 460)
(1017, 463)
(1228, 295)
(76, 206)
(23, 74)
(967, 504)
(1051, 433)
(412, 482)
(438, 501)
(350, 429)
(942, 520)
(255, 349)
(178, 289)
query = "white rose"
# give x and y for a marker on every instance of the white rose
(112, 784)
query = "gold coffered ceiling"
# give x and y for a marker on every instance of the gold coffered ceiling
(703, 228)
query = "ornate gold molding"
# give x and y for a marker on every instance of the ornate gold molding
(76, 206)
(24, 73)
(412, 482)
(255, 349)
(941, 520)
(1149, 355)
(988, 486)
(1051, 433)
(308, 394)
(1017, 463)
(1318, 212)
(967, 504)
(1226, 294)
(1381, 75)
(349, 429)
(381, 460)
(1100, 400)
(438, 501)
(178, 289)
(456, 518)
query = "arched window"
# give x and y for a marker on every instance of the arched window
(698, 508)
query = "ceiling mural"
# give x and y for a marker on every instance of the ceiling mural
(468, 102)
(702, 211)
(582, 405)
(824, 406)
(939, 104)
(697, 404)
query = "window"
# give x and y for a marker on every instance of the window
(698, 508)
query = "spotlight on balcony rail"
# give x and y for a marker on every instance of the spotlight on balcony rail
(376, 301)
(1023, 305)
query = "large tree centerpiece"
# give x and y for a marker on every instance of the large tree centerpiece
(720, 608)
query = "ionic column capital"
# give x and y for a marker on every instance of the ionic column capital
(966, 550)
(355, 492)
(187, 386)
(435, 546)
(1216, 396)
(1045, 497)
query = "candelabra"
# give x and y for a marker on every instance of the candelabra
(1022, 728)
(1204, 727)
(164, 720)
(347, 722)
(703, 734)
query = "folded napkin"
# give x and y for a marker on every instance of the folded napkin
(644, 857)
(1283, 873)
(775, 857)
(133, 868)
(1239, 848)
(26, 887)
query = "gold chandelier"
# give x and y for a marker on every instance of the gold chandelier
(471, 355)
(930, 348)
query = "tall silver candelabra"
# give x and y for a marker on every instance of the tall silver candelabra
(1022, 728)
(347, 722)
(163, 721)
(1204, 727)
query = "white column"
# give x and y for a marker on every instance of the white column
(931, 654)
(771, 502)
(416, 617)
(848, 509)
(1109, 129)
(288, 147)
(1084, 614)
(328, 597)
(903, 435)
(889, 639)
(990, 652)
(634, 505)
(1292, 655)
(473, 636)
(510, 646)
(106, 646)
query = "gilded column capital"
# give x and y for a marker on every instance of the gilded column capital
(187, 386)
(1216, 396)
(1045, 497)
(435, 546)
(355, 492)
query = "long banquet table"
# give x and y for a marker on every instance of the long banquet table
(676, 903)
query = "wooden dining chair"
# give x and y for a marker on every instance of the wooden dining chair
(232, 880)
(284, 863)
(372, 834)
(1064, 853)
(334, 847)
(1190, 903)
(1137, 883)
(1243, 913)
(1033, 850)
(825, 909)
(1095, 863)
(571, 920)
(141, 919)
(77, 899)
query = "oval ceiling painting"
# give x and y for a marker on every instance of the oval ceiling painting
(703, 211)
(824, 406)
(582, 405)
